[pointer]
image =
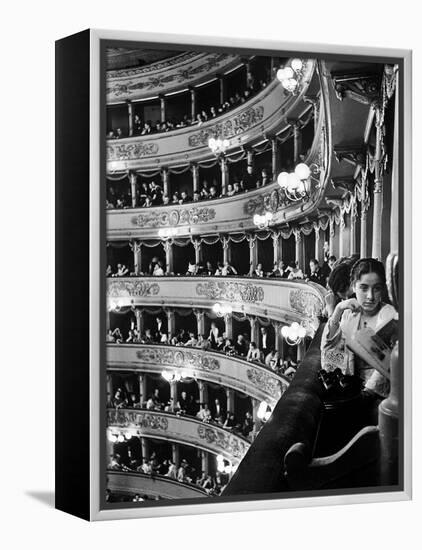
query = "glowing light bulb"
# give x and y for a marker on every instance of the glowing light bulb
(302, 171)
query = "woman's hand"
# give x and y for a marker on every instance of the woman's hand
(351, 304)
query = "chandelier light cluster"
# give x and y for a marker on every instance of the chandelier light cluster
(177, 376)
(119, 437)
(293, 334)
(290, 75)
(221, 310)
(224, 466)
(297, 184)
(218, 146)
(263, 220)
(264, 411)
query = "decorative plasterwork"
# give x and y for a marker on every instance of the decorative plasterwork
(266, 382)
(130, 151)
(306, 303)
(231, 292)
(116, 289)
(353, 155)
(229, 128)
(224, 441)
(151, 67)
(126, 419)
(364, 88)
(346, 183)
(187, 216)
(185, 358)
(166, 75)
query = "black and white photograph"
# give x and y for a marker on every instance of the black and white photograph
(253, 289)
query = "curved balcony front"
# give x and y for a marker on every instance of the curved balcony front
(179, 429)
(233, 372)
(275, 299)
(128, 483)
(265, 114)
(174, 74)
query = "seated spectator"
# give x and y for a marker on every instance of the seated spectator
(220, 344)
(240, 345)
(117, 335)
(146, 467)
(213, 192)
(264, 179)
(247, 425)
(230, 421)
(316, 275)
(131, 336)
(204, 413)
(175, 198)
(219, 270)
(272, 360)
(228, 269)
(118, 134)
(196, 197)
(258, 271)
(109, 271)
(156, 194)
(294, 271)
(229, 348)
(237, 187)
(213, 112)
(169, 406)
(192, 269)
(184, 197)
(109, 336)
(182, 404)
(230, 190)
(209, 270)
(158, 269)
(254, 353)
(193, 341)
(166, 199)
(172, 471)
(119, 400)
(181, 472)
(204, 192)
(137, 125)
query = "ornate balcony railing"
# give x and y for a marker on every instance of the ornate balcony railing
(179, 429)
(174, 74)
(276, 299)
(265, 113)
(131, 483)
(252, 379)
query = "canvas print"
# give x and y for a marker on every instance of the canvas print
(252, 313)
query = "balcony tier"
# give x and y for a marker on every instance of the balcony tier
(179, 429)
(172, 75)
(250, 378)
(265, 114)
(153, 486)
(276, 299)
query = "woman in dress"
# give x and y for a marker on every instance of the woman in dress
(366, 310)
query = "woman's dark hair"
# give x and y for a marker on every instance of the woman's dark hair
(339, 278)
(367, 265)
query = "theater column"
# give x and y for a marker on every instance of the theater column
(130, 116)
(137, 257)
(230, 400)
(254, 329)
(139, 320)
(299, 249)
(171, 322)
(145, 447)
(226, 249)
(203, 392)
(109, 390)
(173, 392)
(319, 244)
(162, 107)
(228, 322)
(198, 250)
(222, 88)
(274, 157)
(253, 253)
(353, 217)
(132, 179)
(168, 249)
(165, 179)
(301, 350)
(277, 252)
(297, 140)
(205, 463)
(224, 174)
(278, 339)
(344, 235)
(142, 382)
(200, 321)
(332, 235)
(175, 454)
(192, 102)
(195, 177)
(256, 421)
(378, 187)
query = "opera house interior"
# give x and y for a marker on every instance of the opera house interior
(251, 286)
